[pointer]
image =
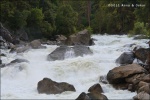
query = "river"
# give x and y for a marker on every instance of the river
(19, 81)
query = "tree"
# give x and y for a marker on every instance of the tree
(35, 17)
(18, 20)
(66, 20)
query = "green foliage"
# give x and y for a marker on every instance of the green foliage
(139, 28)
(46, 29)
(66, 20)
(18, 20)
(90, 30)
(35, 17)
(44, 18)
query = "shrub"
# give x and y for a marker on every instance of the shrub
(139, 28)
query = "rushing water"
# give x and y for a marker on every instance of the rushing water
(69, 53)
(19, 81)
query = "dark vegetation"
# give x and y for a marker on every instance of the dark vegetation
(46, 18)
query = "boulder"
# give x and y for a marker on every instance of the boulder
(58, 53)
(22, 35)
(146, 78)
(80, 38)
(5, 33)
(20, 49)
(19, 61)
(97, 96)
(142, 54)
(48, 42)
(61, 39)
(125, 58)
(135, 78)
(122, 86)
(3, 43)
(118, 74)
(81, 50)
(49, 86)
(83, 96)
(62, 52)
(91, 42)
(142, 96)
(145, 88)
(141, 84)
(36, 44)
(91, 96)
(2, 65)
(96, 88)
(2, 55)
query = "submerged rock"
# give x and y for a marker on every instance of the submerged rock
(51, 87)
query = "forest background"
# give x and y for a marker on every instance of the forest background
(47, 18)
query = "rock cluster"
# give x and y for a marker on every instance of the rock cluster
(132, 76)
(95, 93)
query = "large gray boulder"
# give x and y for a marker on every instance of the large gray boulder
(58, 53)
(80, 38)
(36, 44)
(81, 50)
(125, 58)
(63, 52)
(49, 86)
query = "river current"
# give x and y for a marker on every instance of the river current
(19, 81)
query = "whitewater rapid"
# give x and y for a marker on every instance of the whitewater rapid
(19, 81)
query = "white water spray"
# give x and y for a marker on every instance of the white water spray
(69, 53)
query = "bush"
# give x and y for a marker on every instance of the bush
(139, 29)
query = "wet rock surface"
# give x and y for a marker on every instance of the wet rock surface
(75, 51)
(49, 86)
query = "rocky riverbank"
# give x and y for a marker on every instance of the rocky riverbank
(131, 76)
